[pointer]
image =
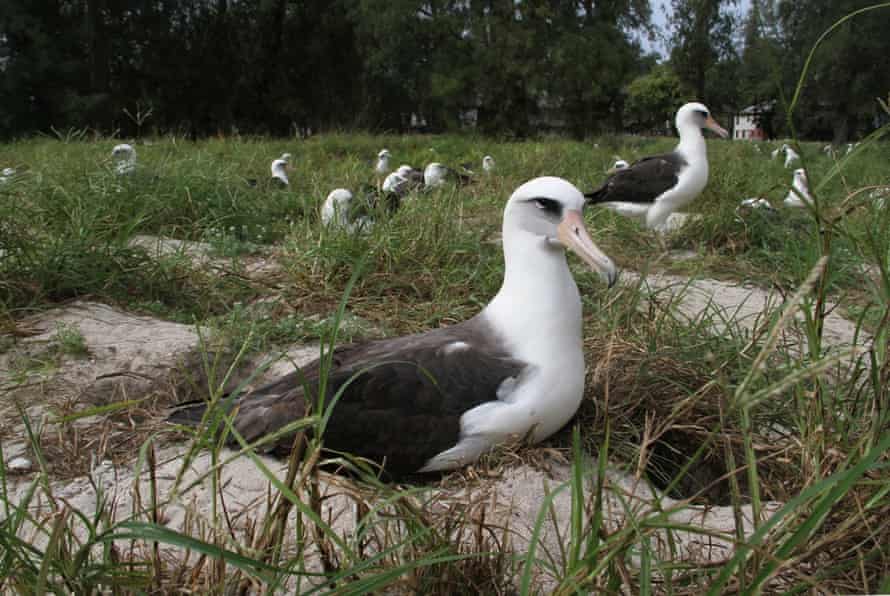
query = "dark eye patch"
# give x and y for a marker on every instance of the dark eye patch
(702, 113)
(549, 206)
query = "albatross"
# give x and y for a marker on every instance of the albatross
(382, 167)
(124, 156)
(438, 400)
(436, 174)
(337, 211)
(653, 187)
(402, 181)
(801, 198)
(279, 172)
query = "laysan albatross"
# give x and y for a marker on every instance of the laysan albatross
(124, 156)
(799, 196)
(654, 187)
(279, 173)
(438, 400)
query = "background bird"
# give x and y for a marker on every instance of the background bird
(654, 187)
(279, 173)
(436, 174)
(802, 197)
(124, 157)
(339, 210)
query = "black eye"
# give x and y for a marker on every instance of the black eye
(702, 113)
(549, 205)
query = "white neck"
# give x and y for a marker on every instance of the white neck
(538, 308)
(692, 142)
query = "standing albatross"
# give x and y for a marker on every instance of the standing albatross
(438, 400)
(654, 187)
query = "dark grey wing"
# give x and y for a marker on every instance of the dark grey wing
(642, 182)
(404, 404)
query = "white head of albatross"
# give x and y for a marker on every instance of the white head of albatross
(802, 197)
(654, 187)
(285, 157)
(440, 399)
(382, 166)
(488, 163)
(124, 156)
(279, 172)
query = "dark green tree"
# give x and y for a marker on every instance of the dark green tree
(838, 100)
(703, 54)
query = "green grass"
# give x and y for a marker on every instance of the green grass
(666, 396)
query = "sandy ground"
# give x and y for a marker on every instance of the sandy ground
(133, 357)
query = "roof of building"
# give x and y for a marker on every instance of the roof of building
(758, 108)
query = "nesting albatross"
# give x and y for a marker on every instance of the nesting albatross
(279, 172)
(124, 156)
(653, 187)
(438, 400)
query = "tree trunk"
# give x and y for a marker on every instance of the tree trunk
(99, 51)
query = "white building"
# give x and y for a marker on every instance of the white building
(745, 125)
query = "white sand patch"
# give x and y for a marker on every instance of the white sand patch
(127, 355)
(745, 307)
(513, 500)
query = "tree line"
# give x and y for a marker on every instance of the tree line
(509, 67)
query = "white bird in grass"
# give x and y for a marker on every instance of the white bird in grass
(654, 187)
(402, 181)
(337, 211)
(488, 163)
(7, 175)
(790, 156)
(382, 167)
(439, 400)
(434, 175)
(124, 156)
(619, 164)
(437, 174)
(802, 197)
(279, 172)
(756, 203)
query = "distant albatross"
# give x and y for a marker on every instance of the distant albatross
(653, 187)
(802, 197)
(338, 211)
(124, 156)
(438, 400)
(279, 172)
(402, 181)
(436, 174)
